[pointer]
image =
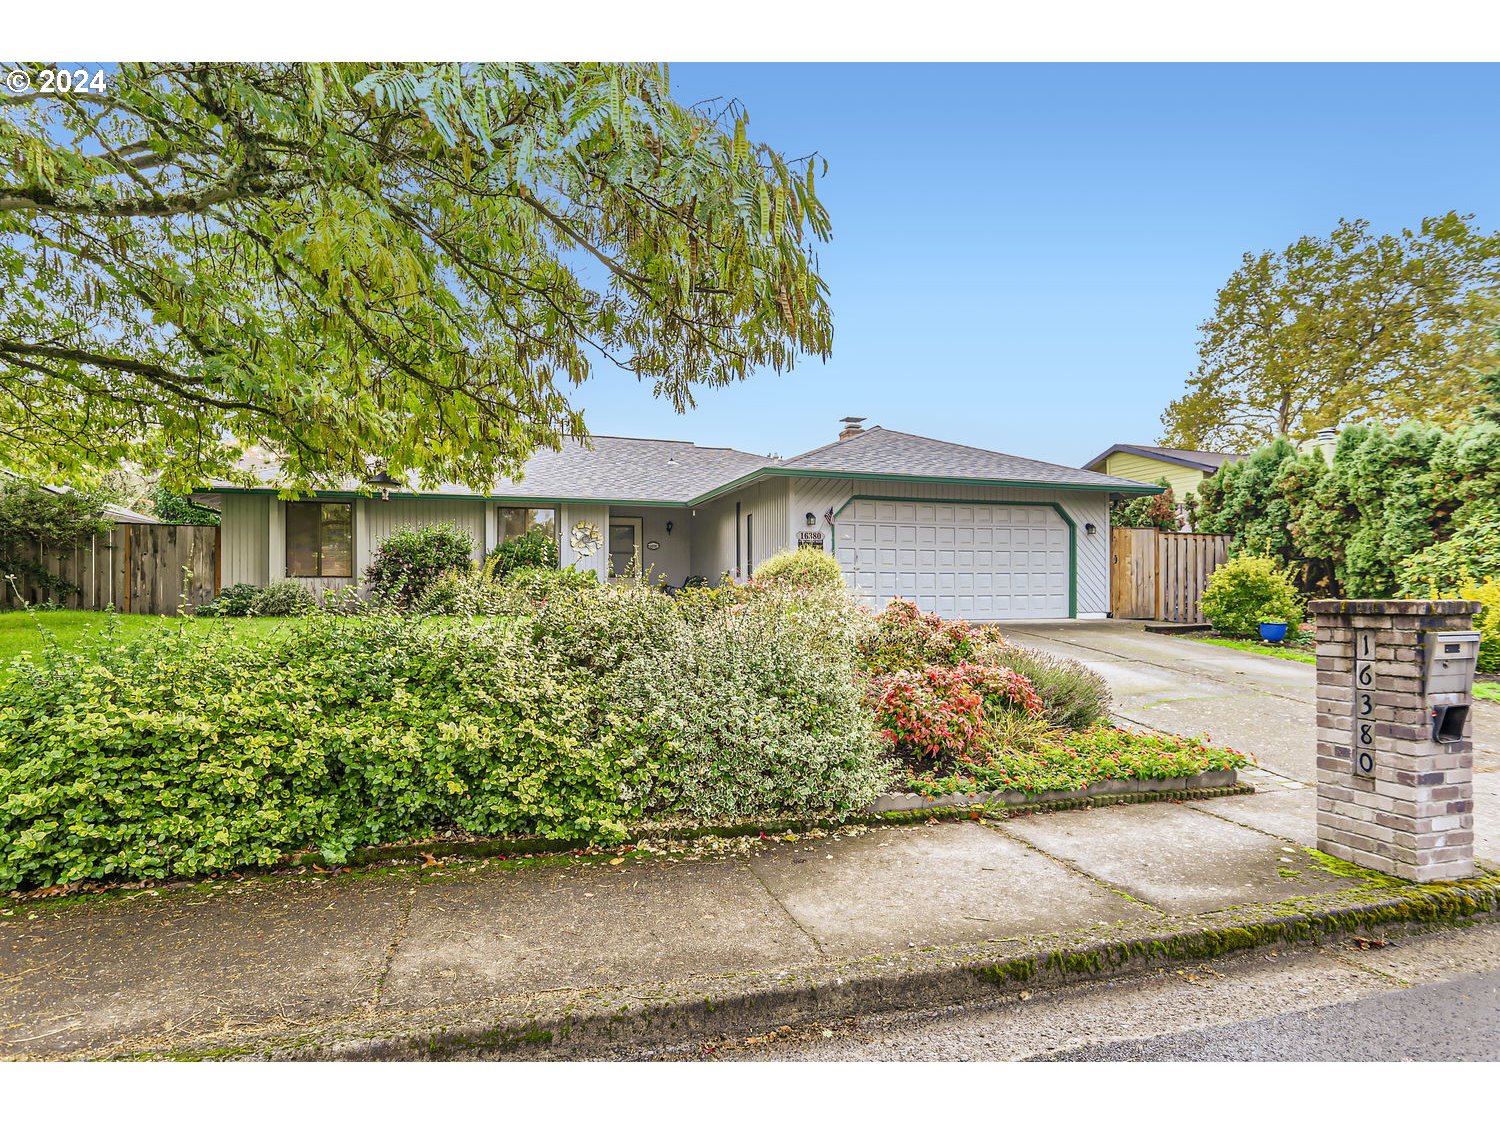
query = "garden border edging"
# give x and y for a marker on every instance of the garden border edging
(1013, 798)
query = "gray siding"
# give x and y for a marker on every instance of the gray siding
(672, 558)
(713, 551)
(244, 540)
(254, 535)
(381, 517)
(818, 495)
(568, 516)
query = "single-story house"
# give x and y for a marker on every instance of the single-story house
(961, 531)
(1183, 469)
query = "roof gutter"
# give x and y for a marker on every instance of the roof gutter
(1132, 488)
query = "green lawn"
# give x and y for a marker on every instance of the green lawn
(1487, 691)
(1285, 652)
(22, 632)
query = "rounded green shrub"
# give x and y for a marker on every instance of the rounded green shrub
(802, 568)
(534, 550)
(412, 558)
(763, 719)
(288, 598)
(231, 601)
(1247, 591)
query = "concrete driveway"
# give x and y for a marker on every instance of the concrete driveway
(1260, 704)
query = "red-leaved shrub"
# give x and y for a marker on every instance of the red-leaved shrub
(938, 712)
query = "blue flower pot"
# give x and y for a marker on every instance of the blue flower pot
(1273, 632)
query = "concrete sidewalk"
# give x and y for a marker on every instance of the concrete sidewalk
(221, 967)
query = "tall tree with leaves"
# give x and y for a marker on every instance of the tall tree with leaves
(412, 263)
(1350, 328)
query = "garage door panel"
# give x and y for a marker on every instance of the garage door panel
(985, 562)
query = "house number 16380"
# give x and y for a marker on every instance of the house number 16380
(1364, 704)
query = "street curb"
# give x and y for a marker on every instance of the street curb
(588, 1023)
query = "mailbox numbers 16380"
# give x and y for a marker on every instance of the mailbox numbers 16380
(1364, 704)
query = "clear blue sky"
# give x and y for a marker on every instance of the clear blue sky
(1022, 254)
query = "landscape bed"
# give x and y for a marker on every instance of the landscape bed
(565, 714)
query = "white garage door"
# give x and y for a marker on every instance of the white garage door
(982, 562)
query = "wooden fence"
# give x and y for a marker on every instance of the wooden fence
(1161, 575)
(135, 567)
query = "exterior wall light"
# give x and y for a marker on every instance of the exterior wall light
(810, 519)
(384, 482)
(1091, 529)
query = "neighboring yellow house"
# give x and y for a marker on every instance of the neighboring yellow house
(1183, 469)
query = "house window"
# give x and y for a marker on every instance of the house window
(516, 522)
(319, 540)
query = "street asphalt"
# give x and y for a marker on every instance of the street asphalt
(1434, 996)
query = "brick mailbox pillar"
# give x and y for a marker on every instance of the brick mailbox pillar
(1395, 749)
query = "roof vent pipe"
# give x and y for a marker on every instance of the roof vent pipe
(851, 427)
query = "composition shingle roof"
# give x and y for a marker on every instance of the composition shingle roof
(881, 451)
(622, 469)
(651, 470)
(1188, 458)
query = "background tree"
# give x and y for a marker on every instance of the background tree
(340, 262)
(39, 523)
(172, 508)
(1158, 511)
(1349, 328)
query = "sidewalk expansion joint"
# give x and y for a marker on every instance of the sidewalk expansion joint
(394, 946)
(1240, 824)
(816, 944)
(1069, 865)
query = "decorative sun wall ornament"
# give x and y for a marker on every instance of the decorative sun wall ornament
(585, 538)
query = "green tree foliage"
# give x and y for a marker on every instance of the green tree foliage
(36, 524)
(1354, 327)
(172, 508)
(1159, 511)
(1393, 512)
(1246, 499)
(335, 262)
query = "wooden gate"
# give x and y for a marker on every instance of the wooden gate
(135, 567)
(1161, 575)
(1132, 572)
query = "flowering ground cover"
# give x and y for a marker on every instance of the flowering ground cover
(1073, 760)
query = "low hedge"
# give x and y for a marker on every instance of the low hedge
(192, 752)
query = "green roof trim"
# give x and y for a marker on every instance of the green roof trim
(914, 478)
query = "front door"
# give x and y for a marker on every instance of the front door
(624, 547)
